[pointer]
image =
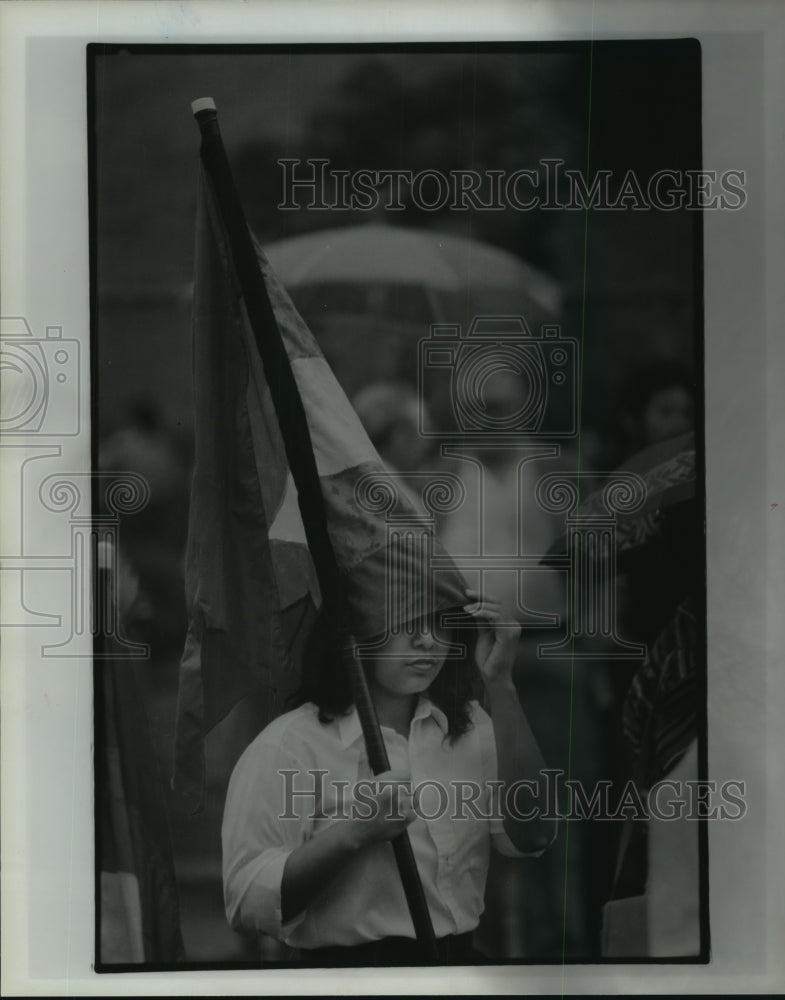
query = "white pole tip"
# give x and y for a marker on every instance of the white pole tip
(203, 104)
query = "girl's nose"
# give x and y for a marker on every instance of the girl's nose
(424, 640)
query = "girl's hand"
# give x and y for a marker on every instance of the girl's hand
(388, 808)
(382, 814)
(496, 644)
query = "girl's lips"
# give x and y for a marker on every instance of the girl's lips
(421, 666)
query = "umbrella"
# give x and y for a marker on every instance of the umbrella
(432, 272)
(369, 292)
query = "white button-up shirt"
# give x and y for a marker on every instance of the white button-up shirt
(365, 901)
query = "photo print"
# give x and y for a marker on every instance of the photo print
(398, 503)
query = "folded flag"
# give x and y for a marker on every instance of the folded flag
(251, 588)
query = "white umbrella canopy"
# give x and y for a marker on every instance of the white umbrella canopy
(432, 262)
(364, 253)
(370, 292)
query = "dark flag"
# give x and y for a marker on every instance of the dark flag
(139, 916)
(275, 513)
(252, 590)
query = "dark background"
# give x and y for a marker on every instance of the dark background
(629, 283)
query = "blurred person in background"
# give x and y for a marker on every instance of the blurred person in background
(565, 706)
(142, 444)
(657, 403)
(390, 414)
(654, 904)
(153, 538)
(655, 589)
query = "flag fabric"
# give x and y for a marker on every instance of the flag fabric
(660, 724)
(659, 715)
(138, 907)
(251, 587)
(666, 473)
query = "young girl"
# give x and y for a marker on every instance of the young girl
(306, 824)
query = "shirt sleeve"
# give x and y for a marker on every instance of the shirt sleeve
(261, 827)
(499, 837)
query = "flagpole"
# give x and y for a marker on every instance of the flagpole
(302, 463)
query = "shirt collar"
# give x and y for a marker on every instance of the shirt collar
(350, 730)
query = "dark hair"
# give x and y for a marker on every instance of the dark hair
(646, 381)
(325, 683)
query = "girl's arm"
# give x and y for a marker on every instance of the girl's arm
(312, 866)
(273, 867)
(519, 757)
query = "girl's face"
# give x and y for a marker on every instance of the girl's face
(410, 663)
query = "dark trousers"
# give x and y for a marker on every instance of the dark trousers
(455, 949)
